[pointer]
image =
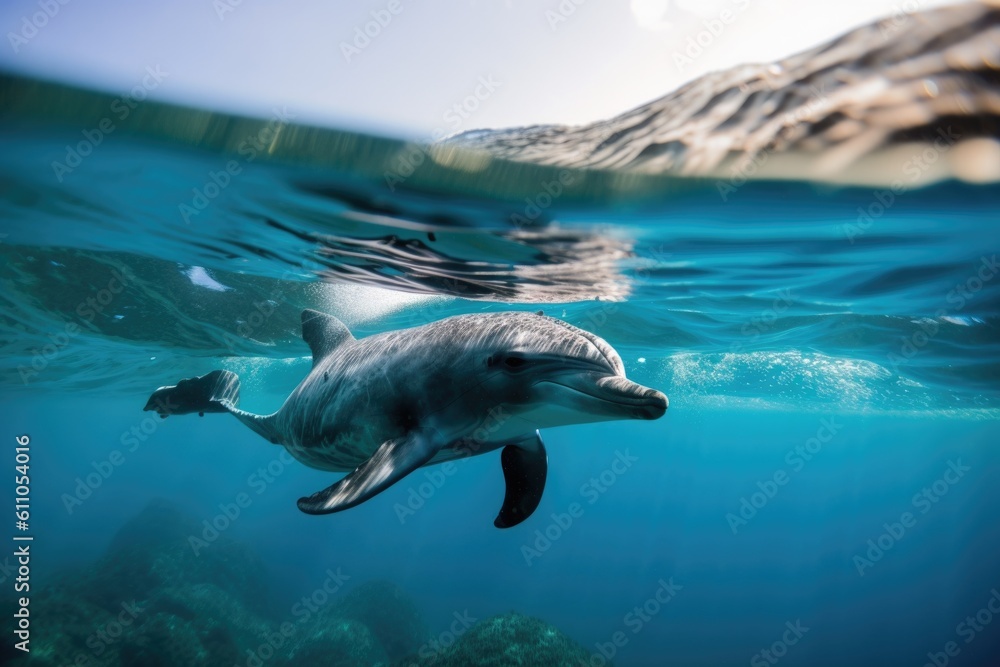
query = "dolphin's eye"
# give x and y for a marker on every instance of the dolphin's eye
(514, 362)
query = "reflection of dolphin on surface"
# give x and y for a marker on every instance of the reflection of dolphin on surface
(384, 405)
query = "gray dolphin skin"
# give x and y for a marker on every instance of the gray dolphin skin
(382, 406)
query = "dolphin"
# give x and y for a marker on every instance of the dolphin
(384, 405)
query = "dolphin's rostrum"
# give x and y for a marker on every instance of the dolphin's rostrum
(382, 406)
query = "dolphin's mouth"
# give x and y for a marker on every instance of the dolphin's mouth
(617, 394)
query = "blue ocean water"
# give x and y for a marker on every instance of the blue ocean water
(820, 492)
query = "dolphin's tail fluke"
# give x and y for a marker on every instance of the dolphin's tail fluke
(218, 391)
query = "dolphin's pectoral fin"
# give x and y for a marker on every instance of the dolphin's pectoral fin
(392, 461)
(218, 391)
(525, 466)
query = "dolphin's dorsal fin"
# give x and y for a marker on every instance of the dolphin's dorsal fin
(324, 333)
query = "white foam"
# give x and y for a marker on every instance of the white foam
(363, 304)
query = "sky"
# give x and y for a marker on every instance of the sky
(409, 69)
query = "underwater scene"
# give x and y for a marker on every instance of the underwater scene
(714, 381)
